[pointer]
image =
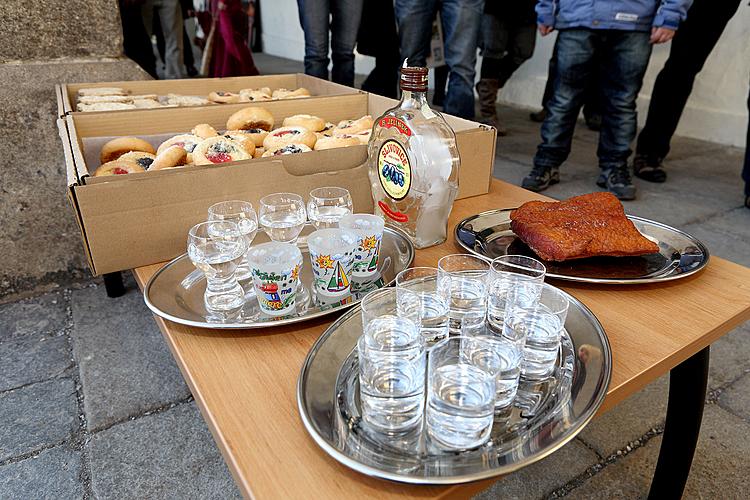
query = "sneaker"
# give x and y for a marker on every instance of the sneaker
(618, 182)
(649, 168)
(538, 116)
(540, 178)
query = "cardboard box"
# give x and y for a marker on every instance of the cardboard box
(139, 219)
(67, 92)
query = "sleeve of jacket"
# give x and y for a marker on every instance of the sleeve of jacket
(671, 13)
(545, 12)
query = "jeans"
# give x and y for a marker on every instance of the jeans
(691, 47)
(591, 94)
(460, 22)
(622, 60)
(169, 14)
(342, 18)
(506, 44)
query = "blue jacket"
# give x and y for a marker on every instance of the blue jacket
(631, 15)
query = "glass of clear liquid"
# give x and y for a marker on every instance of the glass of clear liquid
(328, 205)
(514, 279)
(432, 306)
(283, 216)
(460, 398)
(216, 248)
(497, 355)
(243, 214)
(462, 279)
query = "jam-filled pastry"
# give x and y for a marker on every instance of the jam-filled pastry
(142, 159)
(118, 167)
(288, 149)
(146, 103)
(256, 134)
(185, 141)
(221, 97)
(186, 100)
(327, 130)
(173, 156)
(251, 95)
(218, 149)
(310, 122)
(250, 118)
(289, 135)
(290, 94)
(118, 147)
(351, 127)
(364, 136)
(336, 142)
(259, 152)
(204, 131)
(243, 139)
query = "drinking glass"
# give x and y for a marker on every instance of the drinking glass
(332, 258)
(369, 228)
(389, 303)
(327, 205)
(542, 324)
(497, 355)
(391, 374)
(515, 277)
(432, 305)
(463, 279)
(243, 214)
(283, 216)
(460, 398)
(275, 269)
(216, 248)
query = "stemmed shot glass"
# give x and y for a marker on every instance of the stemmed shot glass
(327, 205)
(283, 216)
(243, 214)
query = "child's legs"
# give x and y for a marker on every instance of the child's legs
(624, 59)
(575, 52)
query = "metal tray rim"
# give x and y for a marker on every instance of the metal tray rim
(377, 473)
(602, 281)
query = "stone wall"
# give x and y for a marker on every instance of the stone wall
(42, 43)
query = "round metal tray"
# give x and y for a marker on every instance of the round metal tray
(488, 235)
(174, 294)
(545, 415)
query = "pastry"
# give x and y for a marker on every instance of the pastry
(151, 97)
(351, 127)
(146, 103)
(204, 131)
(173, 156)
(243, 139)
(218, 149)
(290, 94)
(91, 99)
(185, 141)
(289, 135)
(256, 134)
(336, 142)
(118, 147)
(142, 159)
(259, 152)
(327, 130)
(104, 106)
(186, 100)
(589, 225)
(221, 97)
(310, 122)
(249, 118)
(250, 95)
(118, 167)
(102, 91)
(364, 136)
(287, 149)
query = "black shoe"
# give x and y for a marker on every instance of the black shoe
(539, 116)
(540, 178)
(649, 168)
(618, 182)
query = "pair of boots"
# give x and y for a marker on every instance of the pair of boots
(487, 88)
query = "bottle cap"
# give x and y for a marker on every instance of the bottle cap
(413, 79)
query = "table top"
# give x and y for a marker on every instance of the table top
(245, 381)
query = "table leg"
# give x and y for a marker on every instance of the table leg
(114, 285)
(687, 394)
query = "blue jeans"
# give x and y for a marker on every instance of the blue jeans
(622, 60)
(460, 21)
(342, 18)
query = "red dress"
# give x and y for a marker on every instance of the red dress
(230, 55)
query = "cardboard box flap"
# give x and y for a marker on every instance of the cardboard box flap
(70, 165)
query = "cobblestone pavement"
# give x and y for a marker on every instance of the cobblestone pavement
(92, 404)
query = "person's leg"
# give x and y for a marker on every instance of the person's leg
(575, 51)
(441, 79)
(461, 20)
(520, 48)
(549, 87)
(314, 17)
(746, 167)
(622, 63)
(691, 47)
(136, 43)
(414, 20)
(170, 18)
(493, 43)
(345, 18)
(187, 54)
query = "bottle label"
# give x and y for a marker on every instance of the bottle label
(391, 122)
(394, 170)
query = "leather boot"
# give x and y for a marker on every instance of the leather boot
(487, 89)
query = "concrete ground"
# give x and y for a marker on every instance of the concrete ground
(92, 404)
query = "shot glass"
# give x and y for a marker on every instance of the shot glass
(275, 269)
(497, 355)
(369, 228)
(327, 205)
(542, 325)
(432, 306)
(513, 279)
(463, 279)
(216, 248)
(243, 214)
(283, 216)
(391, 375)
(389, 303)
(332, 257)
(460, 398)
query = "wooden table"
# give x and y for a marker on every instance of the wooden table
(245, 381)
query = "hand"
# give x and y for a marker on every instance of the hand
(545, 30)
(661, 35)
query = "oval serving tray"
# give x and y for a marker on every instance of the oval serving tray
(489, 235)
(169, 295)
(545, 415)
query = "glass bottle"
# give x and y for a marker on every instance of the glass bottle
(414, 163)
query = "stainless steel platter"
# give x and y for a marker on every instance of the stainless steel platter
(488, 235)
(174, 294)
(545, 415)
